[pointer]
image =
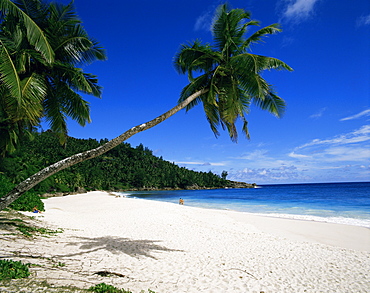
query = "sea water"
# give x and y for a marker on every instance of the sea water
(343, 203)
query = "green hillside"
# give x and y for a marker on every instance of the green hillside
(122, 168)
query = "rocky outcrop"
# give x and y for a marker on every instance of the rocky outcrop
(236, 184)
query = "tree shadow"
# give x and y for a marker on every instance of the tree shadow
(116, 245)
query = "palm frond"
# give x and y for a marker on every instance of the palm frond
(35, 34)
(228, 29)
(93, 53)
(253, 85)
(9, 75)
(33, 92)
(66, 14)
(248, 62)
(96, 90)
(261, 33)
(75, 107)
(30, 8)
(60, 103)
(54, 116)
(76, 78)
(76, 47)
(268, 63)
(245, 128)
(195, 57)
(272, 103)
(212, 114)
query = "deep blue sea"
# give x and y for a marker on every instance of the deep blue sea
(344, 203)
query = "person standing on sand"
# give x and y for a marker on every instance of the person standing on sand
(181, 201)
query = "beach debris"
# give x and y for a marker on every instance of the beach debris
(244, 272)
(109, 274)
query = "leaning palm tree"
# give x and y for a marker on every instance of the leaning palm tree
(228, 80)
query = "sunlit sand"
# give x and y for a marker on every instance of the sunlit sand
(168, 247)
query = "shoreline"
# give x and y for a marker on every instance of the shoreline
(341, 220)
(358, 236)
(167, 247)
(337, 234)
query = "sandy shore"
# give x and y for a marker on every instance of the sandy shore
(171, 248)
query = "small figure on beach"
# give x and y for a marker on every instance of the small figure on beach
(181, 201)
(35, 210)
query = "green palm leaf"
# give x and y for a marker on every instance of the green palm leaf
(76, 107)
(272, 103)
(33, 92)
(195, 57)
(9, 75)
(228, 28)
(34, 33)
(54, 115)
(257, 36)
(77, 47)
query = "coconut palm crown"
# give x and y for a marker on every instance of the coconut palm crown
(229, 73)
(42, 49)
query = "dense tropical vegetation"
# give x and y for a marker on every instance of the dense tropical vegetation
(227, 80)
(123, 167)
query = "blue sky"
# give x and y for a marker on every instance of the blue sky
(325, 133)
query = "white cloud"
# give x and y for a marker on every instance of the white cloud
(363, 20)
(268, 175)
(360, 135)
(347, 154)
(352, 146)
(204, 21)
(318, 114)
(297, 156)
(299, 9)
(255, 155)
(359, 115)
(344, 157)
(260, 159)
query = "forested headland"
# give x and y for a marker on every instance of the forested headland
(122, 168)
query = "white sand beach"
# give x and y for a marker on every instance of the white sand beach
(167, 248)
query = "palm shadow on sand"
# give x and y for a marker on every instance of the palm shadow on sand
(116, 245)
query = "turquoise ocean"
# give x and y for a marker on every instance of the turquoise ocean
(343, 203)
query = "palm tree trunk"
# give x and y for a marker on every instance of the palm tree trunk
(77, 158)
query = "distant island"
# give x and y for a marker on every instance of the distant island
(122, 168)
